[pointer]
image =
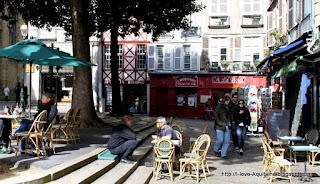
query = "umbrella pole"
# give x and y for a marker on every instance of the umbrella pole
(29, 107)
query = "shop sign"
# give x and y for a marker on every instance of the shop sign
(27, 69)
(229, 79)
(186, 81)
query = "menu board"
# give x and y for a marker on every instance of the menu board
(276, 120)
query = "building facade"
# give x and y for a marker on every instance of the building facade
(218, 53)
(292, 38)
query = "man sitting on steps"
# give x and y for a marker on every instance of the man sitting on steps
(123, 140)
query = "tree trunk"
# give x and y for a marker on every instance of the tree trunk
(82, 96)
(117, 107)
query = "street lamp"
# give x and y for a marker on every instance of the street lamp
(24, 33)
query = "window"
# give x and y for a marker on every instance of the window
(251, 48)
(107, 56)
(218, 49)
(160, 56)
(223, 54)
(219, 7)
(120, 56)
(141, 56)
(251, 6)
(186, 55)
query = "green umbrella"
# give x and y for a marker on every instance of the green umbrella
(33, 51)
(29, 50)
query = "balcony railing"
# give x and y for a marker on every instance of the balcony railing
(192, 31)
(219, 22)
(252, 21)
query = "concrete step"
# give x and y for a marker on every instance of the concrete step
(88, 173)
(71, 166)
(122, 171)
(141, 175)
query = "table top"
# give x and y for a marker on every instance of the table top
(304, 148)
(291, 138)
(11, 116)
(175, 142)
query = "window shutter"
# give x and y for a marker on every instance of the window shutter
(237, 54)
(247, 6)
(195, 58)
(224, 6)
(214, 6)
(167, 58)
(237, 49)
(151, 57)
(291, 14)
(256, 6)
(177, 58)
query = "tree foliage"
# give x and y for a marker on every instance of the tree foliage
(121, 17)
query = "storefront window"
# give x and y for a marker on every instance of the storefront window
(186, 96)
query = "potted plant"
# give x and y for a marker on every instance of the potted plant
(256, 19)
(224, 64)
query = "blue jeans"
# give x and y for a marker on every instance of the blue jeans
(223, 141)
(241, 132)
(25, 125)
(234, 134)
(207, 115)
(125, 149)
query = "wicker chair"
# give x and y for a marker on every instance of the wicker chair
(65, 128)
(311, 137)
(164, 156)
(193, 139)
(75, 124)
(203, 137)
(181, 124)
(49, 134)
(194, 161)
(34, 135)
(282, 133)
(276, 162)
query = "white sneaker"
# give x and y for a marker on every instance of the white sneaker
(240, 151)
(236, 148)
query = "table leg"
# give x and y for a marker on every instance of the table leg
(305, 177)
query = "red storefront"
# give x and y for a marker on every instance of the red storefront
(184, 95)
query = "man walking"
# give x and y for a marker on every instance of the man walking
(232, 106)
(17, 91)
(6, 92)
(222, 124)
(123, 140)
(242, 121)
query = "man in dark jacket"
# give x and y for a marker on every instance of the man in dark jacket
(123, 140)
(222, 124)
(242, 121)
(232, 106)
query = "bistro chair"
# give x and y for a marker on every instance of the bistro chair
(194, 161)
(76, 124)
(49, 134)
(267, 160)
(314, 154)
(164, 156)
(203, 137)
(278, 162)
(180, 123)
(270, 141)
(275, 145)
(311, 137)
(63, 130)
(193, 139)
(34, 135)
(282, 133)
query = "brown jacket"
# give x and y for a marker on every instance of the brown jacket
(222, 117)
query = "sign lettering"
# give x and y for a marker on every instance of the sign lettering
(229, 79)
(187, 81)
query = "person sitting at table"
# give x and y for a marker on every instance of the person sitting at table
(47, 104)
(123, 140)
(165, 131)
